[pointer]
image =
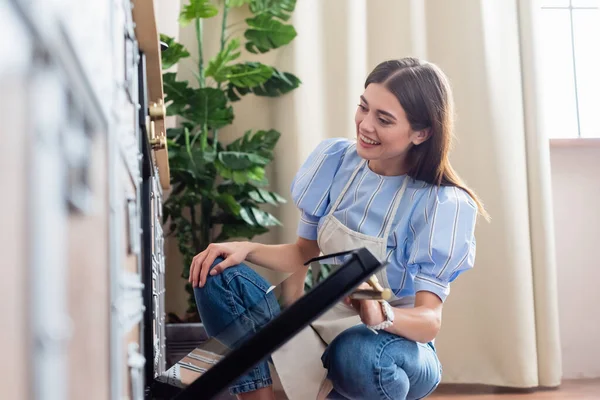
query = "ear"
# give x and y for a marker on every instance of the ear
(421, 136)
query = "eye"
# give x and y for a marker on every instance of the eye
(383, 121)
(362, 107)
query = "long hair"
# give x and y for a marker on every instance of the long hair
(426, 97)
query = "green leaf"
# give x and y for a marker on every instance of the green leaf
(257, 174)
(201, 137)
(223, 171)
(254, 195)
(237, 143)
(190, 166)
(241, 161)
(278, 84)
(177, 93)
(228, 203)
(241, 177)
(173, 53)
(208, 107)
(264, 141)
(264, 196)
(235, 94)
(197, 9)
(271, 197)
(247, 216)
(325, 271)
(281, 9)
(278, 198)
(241, 230)
(218, 64)
(264, 218)
(261, 143)
(265, 33)
(210, 156)
(186, 135)
(249, 74)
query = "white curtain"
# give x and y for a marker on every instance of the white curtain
(500, 322)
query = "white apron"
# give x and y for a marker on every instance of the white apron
(298, 362)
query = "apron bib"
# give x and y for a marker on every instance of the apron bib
(298, 362)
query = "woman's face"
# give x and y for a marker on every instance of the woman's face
(383, 133)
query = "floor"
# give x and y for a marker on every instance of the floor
(569, 390)
(576, 390)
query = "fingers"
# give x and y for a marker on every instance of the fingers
(206, 264)
(352, 303)
(195, 269)
(202, 263)
(220, 267)
(374, 282)
(357, 305)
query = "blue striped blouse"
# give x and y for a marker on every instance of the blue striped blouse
(432, 238)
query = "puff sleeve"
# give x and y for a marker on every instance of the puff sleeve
(442, 228)
(311, 185)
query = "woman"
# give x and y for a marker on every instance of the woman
(391, 190)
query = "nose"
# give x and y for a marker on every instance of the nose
(366, 124)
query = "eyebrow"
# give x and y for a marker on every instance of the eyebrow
(379, 111)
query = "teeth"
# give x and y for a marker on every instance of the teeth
(367, 140)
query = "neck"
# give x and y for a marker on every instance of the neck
(390, 167)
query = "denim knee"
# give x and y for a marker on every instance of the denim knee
(216, 292)
(364, 365)
(351, 361)
(211, 287)
(235, 299)
(211, 297)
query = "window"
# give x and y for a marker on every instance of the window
(569, 64)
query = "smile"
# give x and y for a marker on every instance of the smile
(366, 140)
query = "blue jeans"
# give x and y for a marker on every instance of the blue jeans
(233, 305)
(363, 365)
(360, 364)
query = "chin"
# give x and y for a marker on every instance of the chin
(363, 153)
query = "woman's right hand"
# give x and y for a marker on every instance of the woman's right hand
(233, 253)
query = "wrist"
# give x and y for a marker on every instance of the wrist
(383, 318)
(380, 315)
(387, 319)
(251, 250)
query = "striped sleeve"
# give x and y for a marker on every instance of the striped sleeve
(311, 185)
(443, 239)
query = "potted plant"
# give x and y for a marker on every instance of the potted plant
(219, 189)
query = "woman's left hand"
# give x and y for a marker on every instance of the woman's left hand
(370, 311)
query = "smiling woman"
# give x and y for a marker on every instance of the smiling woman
(393, 192)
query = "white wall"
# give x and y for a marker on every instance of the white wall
(576, 190)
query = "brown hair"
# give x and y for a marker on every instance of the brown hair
(426, 97)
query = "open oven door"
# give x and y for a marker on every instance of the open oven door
(208, 371)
